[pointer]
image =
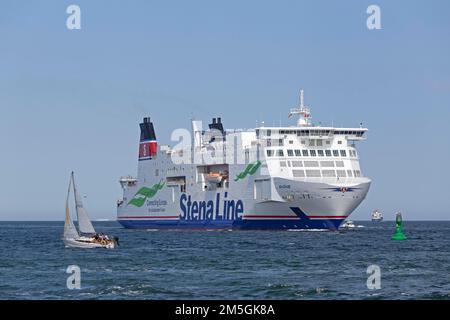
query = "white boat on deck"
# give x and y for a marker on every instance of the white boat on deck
(85, 236)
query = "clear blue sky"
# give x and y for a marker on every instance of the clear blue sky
(72, 100)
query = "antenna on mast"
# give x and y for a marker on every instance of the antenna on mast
(302, 111)
(302, 99)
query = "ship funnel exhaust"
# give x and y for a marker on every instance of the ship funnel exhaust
(148, 145)
(217, 125)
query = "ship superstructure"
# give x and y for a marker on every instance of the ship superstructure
(293, 177)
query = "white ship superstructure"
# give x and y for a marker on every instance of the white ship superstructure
(293, 177)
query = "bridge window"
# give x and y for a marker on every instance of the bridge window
(269, 153)
(336, 153)
(290, 153)
(313, 173)
(343, 153)
(312, 152)
(298, 173)
(298, 153)
(328, 173)
(340, 164)
(341, 173)
(280, 153)
(328, 153)
(320, 153)
(297, 164)
(350, 173)
(311, 163)
(305, 153)
(327, 164)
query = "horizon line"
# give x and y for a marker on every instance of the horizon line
(115, 220)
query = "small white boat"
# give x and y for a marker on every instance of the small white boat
(377, 216)
(85, 236)
(348, 225)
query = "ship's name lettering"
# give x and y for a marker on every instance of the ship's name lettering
(226, 209)
(157, 202)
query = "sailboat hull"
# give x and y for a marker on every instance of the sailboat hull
(75, 243)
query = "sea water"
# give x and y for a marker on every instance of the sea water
(151, 264)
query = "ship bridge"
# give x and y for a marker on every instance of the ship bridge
(355, 134)
(307, 152)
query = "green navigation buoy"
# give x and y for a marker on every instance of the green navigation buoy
(398, 235)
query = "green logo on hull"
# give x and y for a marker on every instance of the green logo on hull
(249, 170)
(145, 193)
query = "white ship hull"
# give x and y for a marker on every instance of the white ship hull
(315, 205)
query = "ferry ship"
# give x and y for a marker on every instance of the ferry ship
(288, 177)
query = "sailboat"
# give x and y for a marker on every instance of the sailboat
(85, 236)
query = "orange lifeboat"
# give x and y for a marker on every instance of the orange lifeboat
(214, 177)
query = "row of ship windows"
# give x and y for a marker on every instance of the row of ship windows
(312, 164)
(325, 173)
(312, 153)
(358, 133)
(312, 142)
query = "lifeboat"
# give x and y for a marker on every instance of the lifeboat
(214, 177)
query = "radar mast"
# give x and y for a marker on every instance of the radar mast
(302, 111)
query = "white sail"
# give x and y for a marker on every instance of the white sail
(70, 232)
(84, 223)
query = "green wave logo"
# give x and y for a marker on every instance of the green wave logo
(249, 170)
(145, 193)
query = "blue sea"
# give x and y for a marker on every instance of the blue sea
(228, 264)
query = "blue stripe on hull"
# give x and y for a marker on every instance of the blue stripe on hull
(269, 224)
(325, 224)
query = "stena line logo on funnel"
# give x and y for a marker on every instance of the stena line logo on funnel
(216, 209)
